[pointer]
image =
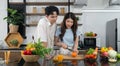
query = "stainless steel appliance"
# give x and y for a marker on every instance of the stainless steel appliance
(113, 34)
(90, 42)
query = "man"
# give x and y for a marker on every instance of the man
(47, 26)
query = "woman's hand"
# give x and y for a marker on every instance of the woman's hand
(75, 50)
(63, 45)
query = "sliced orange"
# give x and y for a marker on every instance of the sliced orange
(60, 58)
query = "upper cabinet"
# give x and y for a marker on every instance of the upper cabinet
(35, 9)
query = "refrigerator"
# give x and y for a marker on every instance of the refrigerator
(113, 34)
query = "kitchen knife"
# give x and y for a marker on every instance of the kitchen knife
(69, 48)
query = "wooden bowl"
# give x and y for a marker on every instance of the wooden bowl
(31, 58)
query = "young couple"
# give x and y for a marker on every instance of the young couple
(65, 36)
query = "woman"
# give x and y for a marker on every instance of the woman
(67, 35)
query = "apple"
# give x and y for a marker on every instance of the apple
(118, 55)
(25, 52)
(105, 54)
(29, 52)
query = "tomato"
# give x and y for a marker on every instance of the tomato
(27, 52)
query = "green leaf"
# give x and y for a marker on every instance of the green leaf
(14, 17)
(14, 12)
(40, 49)
(90, 51)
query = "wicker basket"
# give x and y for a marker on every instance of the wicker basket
(31, 58)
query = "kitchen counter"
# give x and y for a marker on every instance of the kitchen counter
(44, 62)
(16, 60)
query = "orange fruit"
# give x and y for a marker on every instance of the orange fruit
(27, 48)
(110, 48)
(32, 49)
(74, 54)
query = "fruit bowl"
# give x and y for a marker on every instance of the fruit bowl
(91, 55)
(90, 34)
(31, 58)
(90, 60)
(104, 54)
(103, 58)
(34, 51)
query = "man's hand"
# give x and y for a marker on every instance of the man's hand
(48, 57)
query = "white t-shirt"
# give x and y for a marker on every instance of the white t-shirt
(46, 31)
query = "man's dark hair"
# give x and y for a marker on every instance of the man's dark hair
(50, 9)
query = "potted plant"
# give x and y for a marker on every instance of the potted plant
(14, 18)
(14, 42)
(34, 51)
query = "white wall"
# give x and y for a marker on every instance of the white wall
(3, 24)
(96, 22)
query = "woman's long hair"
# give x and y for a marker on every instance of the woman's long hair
(63, 25)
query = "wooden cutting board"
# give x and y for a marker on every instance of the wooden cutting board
(79, 57)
